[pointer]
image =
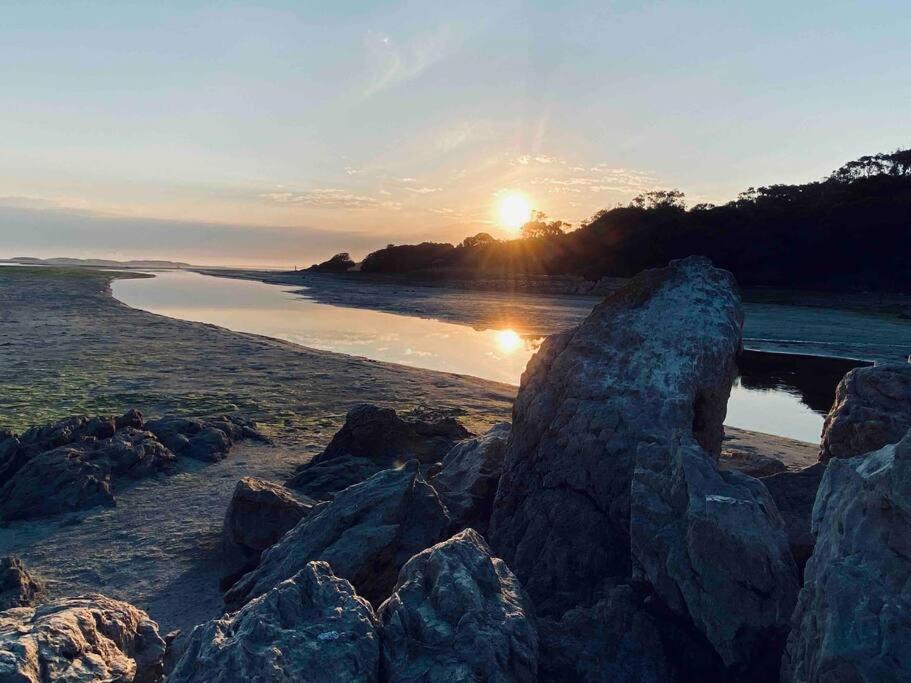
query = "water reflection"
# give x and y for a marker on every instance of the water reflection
(775, 393)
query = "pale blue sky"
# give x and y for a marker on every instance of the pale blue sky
(326, 125)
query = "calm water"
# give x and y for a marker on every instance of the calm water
(784, 395)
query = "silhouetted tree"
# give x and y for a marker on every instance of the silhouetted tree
(337, 264)
(539, 227)
(657, 199)
(479, 240)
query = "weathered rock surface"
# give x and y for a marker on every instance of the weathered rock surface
(90, 638)
(18, 588)
(259, 514)
(752, 464)
(656, 357)
(311, 627)
(713, 546)
(366, 534)
(458, 614)
(872, 409)
(613, 641)
(206, 439)
(853, 618)
(467, 482)
(794, 494)
(374, 439)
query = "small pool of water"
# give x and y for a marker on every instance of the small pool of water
(775, 394)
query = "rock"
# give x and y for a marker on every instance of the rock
(657, 356)
(613, 641)
(366, 534)
(259, 514)
(853, 618)
(752, 464)
(467, 482)
(872, 409)
(18, 588)
(713, 546)
(311, 627)
(458, 614)
(90, 638)
(206, 439)
(794, 494)
(323, 480)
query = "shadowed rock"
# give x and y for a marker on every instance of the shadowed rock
(311, 627)
(794, 494)
(373, 439)
(458, 614)
(872, 409)
(206, 439)
(713, 546)
(18, 588)
(259, 514)
(656, 357)
(90, 638)
(853, 618)
(366, 534)
(468, 479)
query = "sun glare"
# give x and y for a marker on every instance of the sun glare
(515, 211)
(508, 341)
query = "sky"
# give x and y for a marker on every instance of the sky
(277, 133)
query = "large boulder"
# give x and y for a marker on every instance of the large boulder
(18, 588)
(713, 546)
(656, 357)
(872, 409)
(613, 641)
(366, 533)
(259, 514)
(206, 439)
(373, 439)
(468, 480)
(90, 638)
(794, 494)
(311, 627)
(458, 614)
(853, 618)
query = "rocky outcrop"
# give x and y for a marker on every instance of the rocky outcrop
(751, 463)
(468, 480)
(853, 618)
(207, 439)
(311, 627)
(613, 641)
(18, 588)
(91, 638)
(713, 546)
(656, 357)
(872, 409)
(458, 614)
(259, 514)
(373, 439)
(794, 494)
(366, 534)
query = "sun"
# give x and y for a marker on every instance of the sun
(508, 340)
(514, 211)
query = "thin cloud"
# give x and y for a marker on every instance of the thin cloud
(333, 198)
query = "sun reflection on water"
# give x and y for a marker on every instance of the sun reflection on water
(508, 341)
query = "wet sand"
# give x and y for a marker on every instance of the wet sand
(66, 346)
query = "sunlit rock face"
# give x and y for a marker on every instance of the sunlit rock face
(853, 617)
(656, 358)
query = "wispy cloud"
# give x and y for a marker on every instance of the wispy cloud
(424, 190)
(391, 62)
(333, 198)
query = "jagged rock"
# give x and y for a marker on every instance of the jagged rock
(311, 627)
(853, 618)
(90, 638)
(713, 546)
(872, 408)
(18, 588)
(374, 439)
(467, 481)
(206, 439)
(614, 641)
(259, 514)
(366, 533)
(458, 614)
(752, 464)
(80, 474)
(794, 494)
(657, 356)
